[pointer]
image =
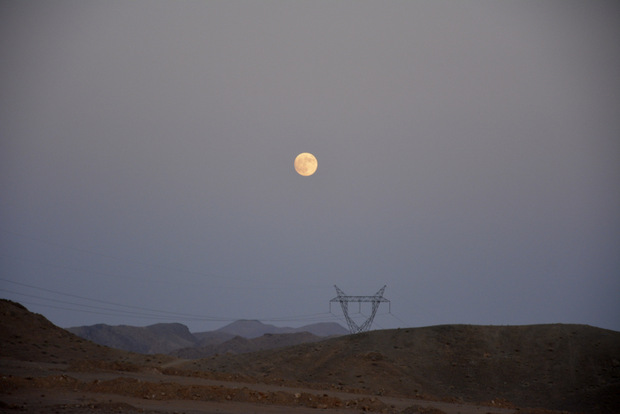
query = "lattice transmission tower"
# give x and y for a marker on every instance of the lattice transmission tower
(344, 300)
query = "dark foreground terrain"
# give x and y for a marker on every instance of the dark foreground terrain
(440, 369)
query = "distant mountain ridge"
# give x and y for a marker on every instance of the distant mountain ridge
(166, 338)
(240, 345)
(160, 338)
(247, 328)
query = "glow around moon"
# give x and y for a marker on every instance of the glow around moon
(305, 164)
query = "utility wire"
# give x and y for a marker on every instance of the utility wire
(157, 313)
(178, 314)
(117, 312)
(158, 318)
(398, 319)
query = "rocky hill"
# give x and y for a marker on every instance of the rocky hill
(28, 336)
(564, 367)
(167, 338)
(558, 366)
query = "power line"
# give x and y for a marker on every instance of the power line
(91, 312)
(398, 319)
(126, 260)
(117, 312)
(164, 313)
(153, 313)
(310, 317)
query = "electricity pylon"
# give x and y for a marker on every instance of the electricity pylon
(344, 302)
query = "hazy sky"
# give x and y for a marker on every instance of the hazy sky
(468, 158)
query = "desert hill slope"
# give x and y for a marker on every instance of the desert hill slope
(27, 336)
(566, 367)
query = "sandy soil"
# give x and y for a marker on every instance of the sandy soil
(36, 387)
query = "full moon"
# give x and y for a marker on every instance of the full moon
(305, 164)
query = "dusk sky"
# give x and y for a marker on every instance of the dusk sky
(468, 158)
